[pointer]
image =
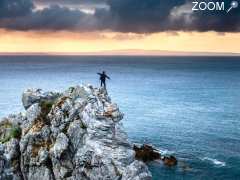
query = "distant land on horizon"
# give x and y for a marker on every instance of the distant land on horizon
(126, 52)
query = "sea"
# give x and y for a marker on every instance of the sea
(188, 107)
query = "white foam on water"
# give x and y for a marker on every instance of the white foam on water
(214, 161)
(165, 152)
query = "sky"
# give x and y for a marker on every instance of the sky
(75, 26)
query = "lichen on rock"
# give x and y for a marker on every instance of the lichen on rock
(71, 135)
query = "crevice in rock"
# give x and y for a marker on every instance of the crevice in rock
(49, 165)
(19, 163)
(116, 170)
(84, 175)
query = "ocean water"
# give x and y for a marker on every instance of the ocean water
(185, 106)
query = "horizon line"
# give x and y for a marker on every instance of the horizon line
(123, 52)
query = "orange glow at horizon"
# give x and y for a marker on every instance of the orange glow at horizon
(70, 42)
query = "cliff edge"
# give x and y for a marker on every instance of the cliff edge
(73, 135)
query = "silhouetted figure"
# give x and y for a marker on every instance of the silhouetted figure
(103, 77)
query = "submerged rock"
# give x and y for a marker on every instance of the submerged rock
(72, 135)
(170, 161)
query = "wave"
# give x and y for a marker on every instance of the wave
(165, 152)
(214, 161)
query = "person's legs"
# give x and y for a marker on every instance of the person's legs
(104, 83)
(101, 83)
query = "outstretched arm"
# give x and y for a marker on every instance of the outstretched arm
(99, 74)
(107, 77)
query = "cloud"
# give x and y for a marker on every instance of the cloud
(53, 18)
(73, 4)
(14, 8)
(127, 16)
(143, 16)
(219, 21)
(70, 1)
(128, 36)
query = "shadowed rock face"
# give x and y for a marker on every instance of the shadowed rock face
(71, 135)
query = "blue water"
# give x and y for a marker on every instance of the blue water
(185, 106)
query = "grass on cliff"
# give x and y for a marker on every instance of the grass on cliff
(16, 132)
(46, 107)
(9, 131)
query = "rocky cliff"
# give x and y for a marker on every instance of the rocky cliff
(71, 135)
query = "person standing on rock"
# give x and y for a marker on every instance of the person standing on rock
(103, 77)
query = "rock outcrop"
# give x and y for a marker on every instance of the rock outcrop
(147, 153)
(71, 135)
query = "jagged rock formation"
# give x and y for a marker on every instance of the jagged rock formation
(72, 135)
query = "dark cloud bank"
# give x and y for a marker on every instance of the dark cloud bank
(138, 16)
